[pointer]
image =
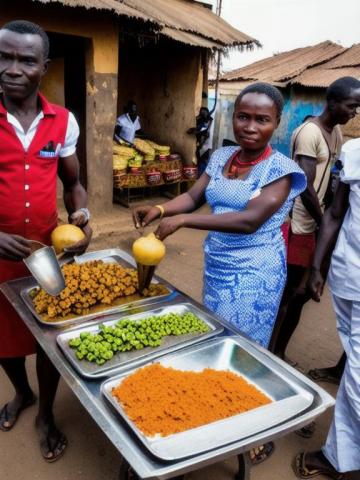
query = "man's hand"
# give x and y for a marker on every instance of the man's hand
(80, 247)
(14, 247)
(315, 284)
(143, 216)
(78, 218)
(169, 225)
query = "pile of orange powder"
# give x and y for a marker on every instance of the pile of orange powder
(163, 401)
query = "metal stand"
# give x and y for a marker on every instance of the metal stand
(127, 473)
(244, 467)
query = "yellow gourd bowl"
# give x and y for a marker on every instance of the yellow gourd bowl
(65, 236)
(148, 250)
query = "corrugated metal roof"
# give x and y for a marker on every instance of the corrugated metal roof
(350, 58)
(322, 77)
(182, 20)
(192, 17)
(281, 68)
(189, 38)
(113, 5)
(347, 64)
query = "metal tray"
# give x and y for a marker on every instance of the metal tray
(290, 397)
(113, 255)
(134, 358)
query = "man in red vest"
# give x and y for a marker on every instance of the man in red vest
(37, 143)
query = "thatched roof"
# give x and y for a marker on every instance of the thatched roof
(282, 68)
(185, 21)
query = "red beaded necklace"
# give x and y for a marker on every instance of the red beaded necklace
(236, 164)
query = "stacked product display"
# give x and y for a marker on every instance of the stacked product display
(146, 163)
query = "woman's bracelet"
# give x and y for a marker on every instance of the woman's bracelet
(162, 210)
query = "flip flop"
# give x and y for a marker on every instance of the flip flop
(4, 413)
(322, 375)
(47, 444)
(307, 431)
(60, 446)
(302, 471)
(264, 452)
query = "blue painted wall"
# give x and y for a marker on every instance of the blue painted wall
(298, 104)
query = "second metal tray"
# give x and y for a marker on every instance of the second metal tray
(290, 397)
(113, 255)
(134, 358)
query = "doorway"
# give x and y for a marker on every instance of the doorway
(67, 53)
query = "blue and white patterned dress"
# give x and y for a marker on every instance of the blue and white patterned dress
(245, 274)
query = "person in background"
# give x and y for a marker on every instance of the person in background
(128, 124)
(38, 141)
(250, 189)
(203, 132)
(341, 452)
(315, 146)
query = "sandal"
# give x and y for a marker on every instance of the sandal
(260, 454)
(302, 471)
(54, 444)
(307, 431)
(323, 375)
(5, 417)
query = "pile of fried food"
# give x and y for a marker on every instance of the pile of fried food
(89, 284)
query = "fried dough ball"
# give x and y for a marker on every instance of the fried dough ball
(87, 284)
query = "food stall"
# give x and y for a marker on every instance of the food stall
(146, 164)
(204, 342)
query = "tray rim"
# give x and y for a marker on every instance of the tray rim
(215, 325)
(147, 442)
(25, 293)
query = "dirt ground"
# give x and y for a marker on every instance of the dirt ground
(90, 455)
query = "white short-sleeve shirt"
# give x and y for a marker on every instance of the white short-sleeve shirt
(128, 127)
(71, 137)
(344, 275)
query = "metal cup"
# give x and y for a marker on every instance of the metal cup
(145, 275)
(44, 266)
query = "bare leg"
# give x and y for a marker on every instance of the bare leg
(24, 396)
(289, 311)
(52, 441)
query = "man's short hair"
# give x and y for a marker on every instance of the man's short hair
(23, 27)
(342, 88)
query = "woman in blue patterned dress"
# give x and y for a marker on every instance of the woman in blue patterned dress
(250, 191)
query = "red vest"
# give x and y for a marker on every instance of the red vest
(28, 179)
(27, 206)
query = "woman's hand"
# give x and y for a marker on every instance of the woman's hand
(80, 247)
(143, 216)
(14, 247)
(315, 284)
(169, 225)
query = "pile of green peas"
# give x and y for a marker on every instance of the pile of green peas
(128, 335)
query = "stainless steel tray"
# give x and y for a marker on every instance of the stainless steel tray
(110, 256)
(134, 358)
(290, 397)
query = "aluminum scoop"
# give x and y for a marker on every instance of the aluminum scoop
(43, 264)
